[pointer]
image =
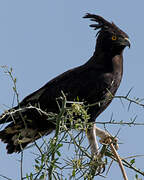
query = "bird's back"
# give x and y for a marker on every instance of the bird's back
(94, 82)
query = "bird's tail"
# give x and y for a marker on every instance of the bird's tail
(17, 138)
(23, 128)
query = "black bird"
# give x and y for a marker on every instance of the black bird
(94, 81)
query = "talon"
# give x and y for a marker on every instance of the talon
(98, 165)
(101, 169)
(108, 140)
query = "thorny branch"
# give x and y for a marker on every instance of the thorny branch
(58, 119)
(51, 153)
(81, 164)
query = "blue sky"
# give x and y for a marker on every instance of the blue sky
(41, 39)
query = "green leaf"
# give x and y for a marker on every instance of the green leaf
(36, 161)
(60, 145)
(77, 98)
(42, 158)
(42, 177)
(136, 176)
(37, 168)
(58, 153)
(132, 161)
(11, 69)
(31, 176)
(27, 176)
(15, 80)
(73, 173)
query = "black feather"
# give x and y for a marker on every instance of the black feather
(96, 80)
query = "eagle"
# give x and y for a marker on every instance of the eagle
(94, 81)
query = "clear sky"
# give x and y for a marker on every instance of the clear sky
(41, 39)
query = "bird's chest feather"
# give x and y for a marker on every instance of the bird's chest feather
(107, 83)
(117, 63)
(115, 82)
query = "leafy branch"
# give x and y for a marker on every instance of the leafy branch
(50, 162)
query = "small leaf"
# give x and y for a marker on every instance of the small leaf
(15, 80)
(77, 98)
(60, 145)
(11, 69)
(58, 153)
(37, 168)
(36, 161)
(73, 173)
(42, 158)
(31, 176)
(27, 176)
(132, 161)
(136, 176)
(42, 177)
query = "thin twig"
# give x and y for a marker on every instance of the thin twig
(121, 123)
(21, 165)
(135, 101)
(5, 177)
(56, 136)
(74, 141)
(127, 164)
(118, 159)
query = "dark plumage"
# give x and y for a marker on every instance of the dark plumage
(91, 82)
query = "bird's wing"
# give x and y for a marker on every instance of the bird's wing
(87, 83)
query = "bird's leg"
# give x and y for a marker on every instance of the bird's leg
(104, 136)
(91, 135)
(98, 166)
(112, 141)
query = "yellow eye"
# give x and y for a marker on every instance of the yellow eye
(114, 38)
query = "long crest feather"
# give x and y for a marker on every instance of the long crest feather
(103, 24)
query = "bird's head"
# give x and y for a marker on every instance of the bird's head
(110, 37)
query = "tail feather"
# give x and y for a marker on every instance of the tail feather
(25, 126)
(17, 139)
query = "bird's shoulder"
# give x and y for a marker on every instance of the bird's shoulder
(76, 80)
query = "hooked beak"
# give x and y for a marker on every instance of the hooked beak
(126, 42)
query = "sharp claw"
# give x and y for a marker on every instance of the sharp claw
(101, 169)
(105, 141)
(97, 165)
